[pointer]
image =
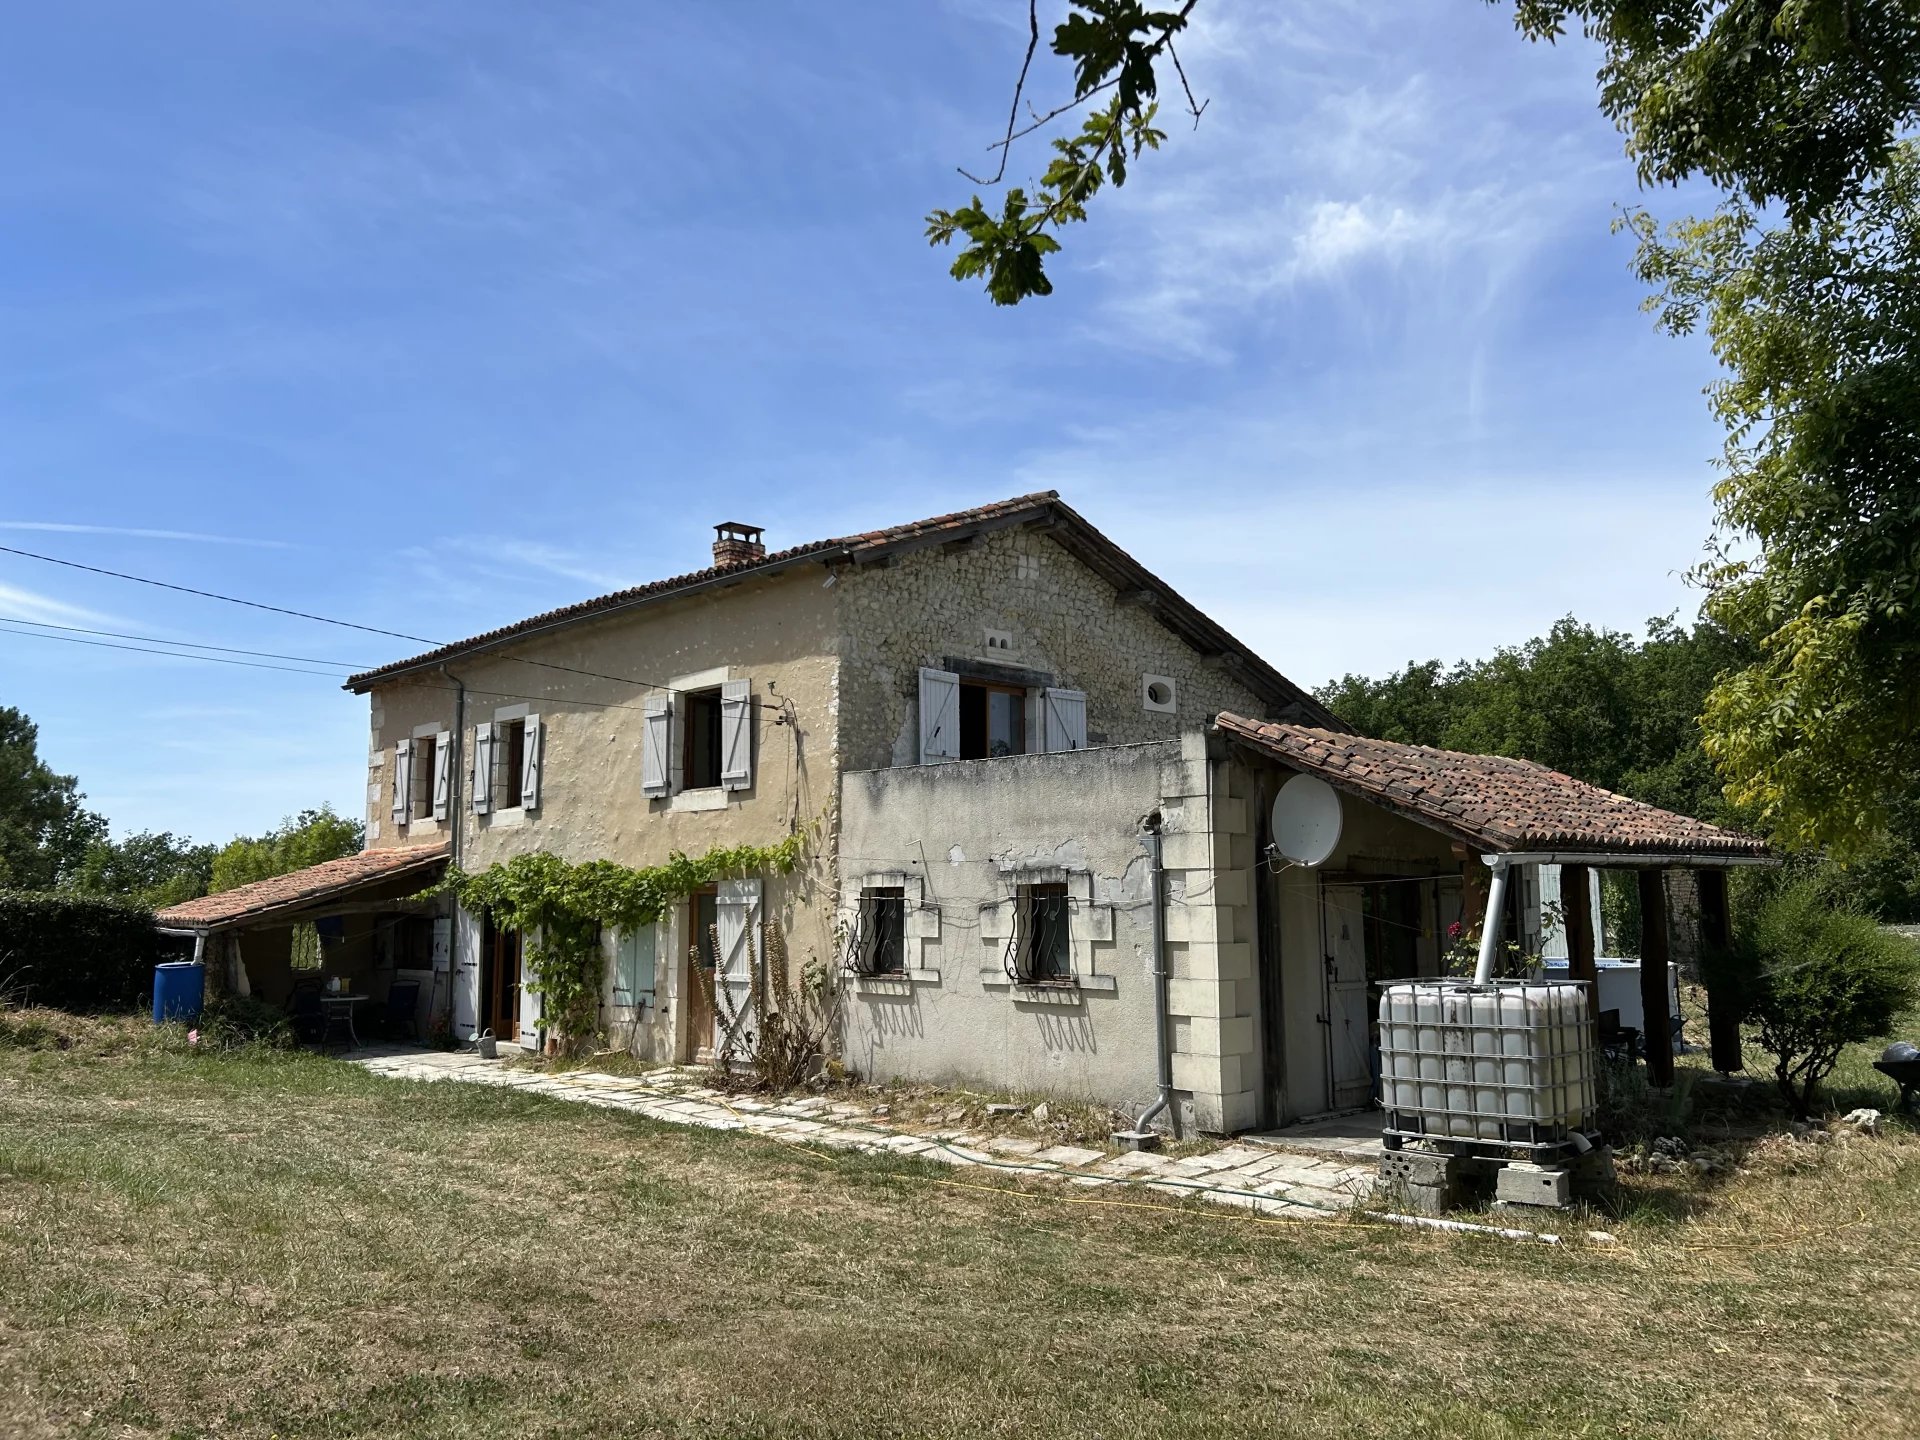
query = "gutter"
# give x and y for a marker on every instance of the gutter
(1632, 860)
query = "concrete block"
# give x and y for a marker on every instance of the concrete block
(1241, 1110)
(1523, 1184)
(1230, 887)
(1214, 1035)
(1233, 960)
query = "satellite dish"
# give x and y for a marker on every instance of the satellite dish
(1306, 820)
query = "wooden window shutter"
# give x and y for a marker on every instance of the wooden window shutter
(483, 767)
(736, 734)
(402, 780)
(530, 763)
(442, 776)
(736, 915)
(939, 715)
(1065, 713)
(656, 735)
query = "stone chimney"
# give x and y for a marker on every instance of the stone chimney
(737, 544)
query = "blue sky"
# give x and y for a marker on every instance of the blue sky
(432, 316)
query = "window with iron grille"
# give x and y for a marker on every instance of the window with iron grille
(879, 944)
(1041, 952)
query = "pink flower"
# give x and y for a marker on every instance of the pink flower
(1453, 931)
(193, 1037)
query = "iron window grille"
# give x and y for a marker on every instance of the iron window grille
(877, 943)
(1040, 950)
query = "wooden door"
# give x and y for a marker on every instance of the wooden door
(503, 987)
(1349, 1031)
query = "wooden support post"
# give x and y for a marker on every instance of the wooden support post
(1716, 940)
(1656, 1033)
(1576, 917)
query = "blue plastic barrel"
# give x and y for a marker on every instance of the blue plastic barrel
(179, 990)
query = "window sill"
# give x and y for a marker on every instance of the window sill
(1058, 992)
(899, 982)
(505, 819)
(707, 797)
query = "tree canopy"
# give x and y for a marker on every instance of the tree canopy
(44, 829)
(1596, 704)
(1794, 102)
(1820, 734)
(309, 838)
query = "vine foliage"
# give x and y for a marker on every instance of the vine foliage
(561, 910)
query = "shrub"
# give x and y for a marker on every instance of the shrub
(1821, 979)
(78, 953)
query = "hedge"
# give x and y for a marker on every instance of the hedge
(80, 954)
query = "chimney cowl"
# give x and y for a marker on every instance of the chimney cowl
(737, 544)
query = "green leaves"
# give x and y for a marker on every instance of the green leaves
(1820, 734)
(561, 908)
(1114, 45)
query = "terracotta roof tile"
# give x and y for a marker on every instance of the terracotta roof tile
(301, 888)
(1492, 802)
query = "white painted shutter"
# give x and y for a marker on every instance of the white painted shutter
(656, 733)
(402, 780)
(736, 734)
(736, 917)
(530, 1007)
(1066, 719)
(467, 940)
(939, 715)
(442, 775)
(483, 767)
(530, 762)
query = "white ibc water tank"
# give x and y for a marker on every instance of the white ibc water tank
(1511, 1063)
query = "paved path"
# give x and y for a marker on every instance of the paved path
(1247, 1174)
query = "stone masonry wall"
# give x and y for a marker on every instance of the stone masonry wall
(1061, 619)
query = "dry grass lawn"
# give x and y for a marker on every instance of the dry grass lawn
(283, 1245)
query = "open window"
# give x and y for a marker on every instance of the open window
(878, 944)
(993, 720)
(973, 717)
(700, 739)
(425, 767)
(509, 762)
(1040, 951)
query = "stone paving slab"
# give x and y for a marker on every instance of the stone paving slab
(1250, 1177)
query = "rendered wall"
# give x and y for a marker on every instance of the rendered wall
(960, 837)
(779, 632)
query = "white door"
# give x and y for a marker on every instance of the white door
(466, 974)
(736, 920)
(1349, 1033)
(530, 1009)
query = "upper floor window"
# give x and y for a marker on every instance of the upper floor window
(965, 717)
(507, 761)
(510, 762)
(700, 762)
(993, 720)
(425, 753)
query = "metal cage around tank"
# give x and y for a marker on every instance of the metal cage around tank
(1506, 1066)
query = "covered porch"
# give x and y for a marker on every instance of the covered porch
(1452, 863)
(344, 943)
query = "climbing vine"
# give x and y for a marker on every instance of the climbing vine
(560, 910)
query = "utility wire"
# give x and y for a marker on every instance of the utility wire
(345, 624)
(210, 595)
(170, 654)
(342, 666)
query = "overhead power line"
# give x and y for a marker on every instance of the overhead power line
(171, 654)
(210, 595)
(344, 667)
(349, 625)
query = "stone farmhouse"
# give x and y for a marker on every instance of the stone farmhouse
(1038, 783)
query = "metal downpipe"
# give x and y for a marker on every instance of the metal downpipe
(1490, 928)
(1157, 911)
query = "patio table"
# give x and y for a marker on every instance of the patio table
(338, 1010)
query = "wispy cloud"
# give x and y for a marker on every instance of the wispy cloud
(22, 604)
(136, 533)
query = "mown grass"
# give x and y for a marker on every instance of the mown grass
(259, 1244)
